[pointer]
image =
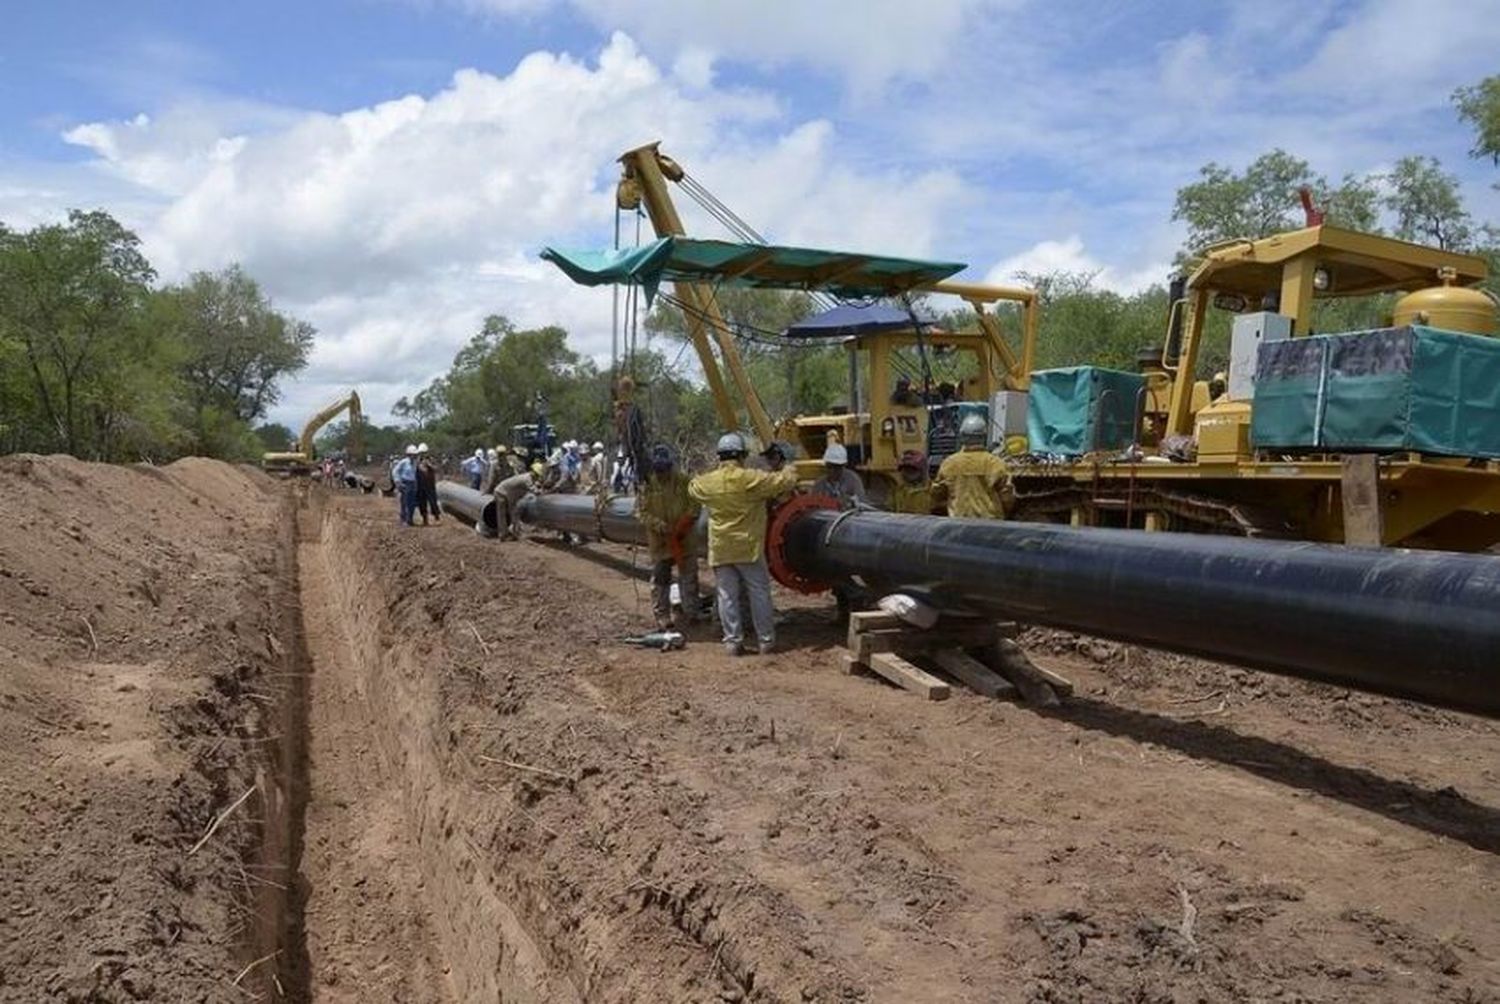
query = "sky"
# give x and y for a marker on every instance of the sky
(389, 169)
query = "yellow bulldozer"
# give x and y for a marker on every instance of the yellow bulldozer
(302, 459)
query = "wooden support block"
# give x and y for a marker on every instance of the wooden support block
(1060, 683)
(1012, 663)
(904, 674)
(973, 674)
(864, 621)
(851, 666)
(1359, 480)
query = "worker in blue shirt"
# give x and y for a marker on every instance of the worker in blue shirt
(475, 467)
(404, 474)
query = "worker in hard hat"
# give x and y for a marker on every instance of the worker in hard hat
(736, 498)
(570, 468)
(508, 495)
(838, 481)
(973, 482)
(492, 471)
(511, 463)
(404, 476)
(427, 500)
(474, 467)
(912, 493)
(669, 515)
(776, 455)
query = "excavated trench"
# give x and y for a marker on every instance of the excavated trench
(386, 904)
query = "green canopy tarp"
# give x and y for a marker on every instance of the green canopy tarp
(684, 259)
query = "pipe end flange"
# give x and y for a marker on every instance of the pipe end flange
(781, 518)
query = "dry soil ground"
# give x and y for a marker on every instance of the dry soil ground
(463, 788)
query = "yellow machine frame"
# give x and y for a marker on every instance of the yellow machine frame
(1405, 499)
(301, 459)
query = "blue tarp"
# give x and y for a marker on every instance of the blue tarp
(850, 320)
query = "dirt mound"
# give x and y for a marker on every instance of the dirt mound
(138, 622)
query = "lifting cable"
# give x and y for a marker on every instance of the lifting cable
(736, 225)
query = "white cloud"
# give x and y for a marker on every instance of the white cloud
(866, 42)
(395, 228)
(1068, 255)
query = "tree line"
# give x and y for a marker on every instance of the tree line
(98, 361)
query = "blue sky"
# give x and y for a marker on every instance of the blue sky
(388, 168)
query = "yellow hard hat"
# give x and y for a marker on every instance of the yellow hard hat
(538, 468)
(502, 449)
(1015, 446)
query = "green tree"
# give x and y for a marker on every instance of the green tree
(70, 310)
(1479, 106)
(236, 349)
(274, 437)
(1427, 205)
(1223, 205)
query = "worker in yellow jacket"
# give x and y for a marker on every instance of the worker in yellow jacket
(912, 494)
(669, 516)
(736, 498)
(973, 481)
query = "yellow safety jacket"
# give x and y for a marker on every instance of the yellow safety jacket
(972, 481)
(736, 501)
(661, 505)
(915, 499)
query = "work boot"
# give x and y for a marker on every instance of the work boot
(733, 649)
(767, 647)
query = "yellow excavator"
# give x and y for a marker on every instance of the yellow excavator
(301, 460)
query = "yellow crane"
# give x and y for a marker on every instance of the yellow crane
(879, 425)
(300, 461)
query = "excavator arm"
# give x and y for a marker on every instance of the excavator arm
(305, 443)
(315, 424)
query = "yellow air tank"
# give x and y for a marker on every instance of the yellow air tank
(1450, 307)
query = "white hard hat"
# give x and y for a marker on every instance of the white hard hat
(836, 454)
(479, 454)
(421, 447)
(973, 428)
(411, 450)
(731, 442)
(597, 448)
(491, 455)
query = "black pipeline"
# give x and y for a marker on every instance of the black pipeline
(1423, 625)
(469, 505)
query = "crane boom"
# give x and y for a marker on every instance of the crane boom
(644, 176)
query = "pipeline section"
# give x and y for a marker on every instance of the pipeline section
(1422, 625)
(613, 519)
(469, 505)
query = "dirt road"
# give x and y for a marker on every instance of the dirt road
(498, 801)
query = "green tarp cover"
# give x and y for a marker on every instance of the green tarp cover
(1393, 389)
(684, 259)
(1082, 409)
